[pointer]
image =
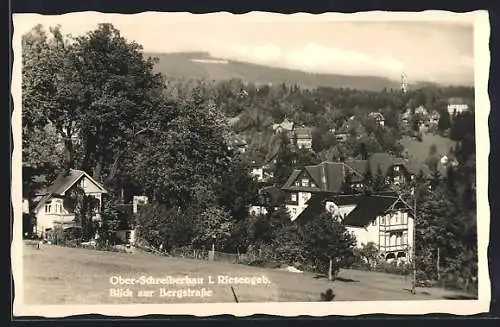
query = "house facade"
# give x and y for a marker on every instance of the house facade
(380, 219)
(51, 210)
(334, 177)
(378, 118)
(302, 138)
(457, 105)
(285, 126)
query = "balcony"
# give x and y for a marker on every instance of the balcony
(392, 227)
(392, 248)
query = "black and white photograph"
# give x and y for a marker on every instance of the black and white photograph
(243, 164)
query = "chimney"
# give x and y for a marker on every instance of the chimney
(323, 176)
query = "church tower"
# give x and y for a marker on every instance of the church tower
(404, 83)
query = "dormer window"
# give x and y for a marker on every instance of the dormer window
(294, 197)
(305, 182)
(297, 183)
(48, 208)
(396, 168)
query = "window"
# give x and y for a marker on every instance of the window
(396, 168)
(382, 221)
(294, 197)
(313, 185)
(305, 182)
(297, 183)
(374, 223)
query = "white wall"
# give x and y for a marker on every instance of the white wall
(365, 235)
(26, 208)
(296, 209)
(304, 143)
(257, 210)
(457, 107)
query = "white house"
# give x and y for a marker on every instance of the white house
(51, 209)
(457, 105)
(378, 117)
(380, 219)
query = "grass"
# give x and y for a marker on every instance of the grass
(420, 150)
(59, 275)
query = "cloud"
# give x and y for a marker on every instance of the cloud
(316, 58)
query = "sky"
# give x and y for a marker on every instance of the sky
(437, 50)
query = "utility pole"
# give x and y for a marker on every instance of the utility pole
(413, 209)
(414, 266)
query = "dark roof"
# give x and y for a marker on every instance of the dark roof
(368, 207)
(292, 178)
(273, 192)
(330, 176)
(386, 161)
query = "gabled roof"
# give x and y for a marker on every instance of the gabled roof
(367, 207)
(385, 160)
(63, 183)
(376, 115)
(328, 176)
(285, 124)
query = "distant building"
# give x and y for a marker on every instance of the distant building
(302, 137)
(378, 117)
(433, 119)
(406, 117)
(457, 105)
(329, 177)
(284, 126)
(238, 143)
(342, 133)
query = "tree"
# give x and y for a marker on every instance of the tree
(95, 86)
(237, 190)
(369, 253)
(368, 175)
(84, 207)
(328, 243)
(347, 183)
(444, 122)
(185, 155)
(442, 224)
(379, 182)
(451, 179)
(283, 167)
(433, 158)
(214, 227)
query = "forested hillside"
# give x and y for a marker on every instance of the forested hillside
(200, 65)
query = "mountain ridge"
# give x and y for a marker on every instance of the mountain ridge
(201, 65)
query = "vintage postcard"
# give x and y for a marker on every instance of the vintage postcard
(173, 163)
